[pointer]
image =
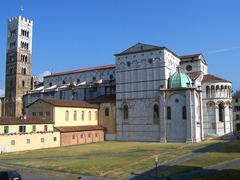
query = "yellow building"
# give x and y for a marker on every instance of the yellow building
(77, 121)
(18, 134)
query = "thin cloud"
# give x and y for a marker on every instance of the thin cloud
(41, 75)
(223, 50)
(2, 92)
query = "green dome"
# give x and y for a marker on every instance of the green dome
(179, 80)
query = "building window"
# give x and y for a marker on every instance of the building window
(34, 114)
(78, 80)
(12, 142)
(96, 134)
(42, 140)
(28, 141)
(23, 83)
(89, 135)
(156, 114)
(6, 129)
(89, 116)
(188, 67)
(81, 136)
(54, 138)
(50, 84)
(40, 113)
(22, 129)
(45, 127)
(221, 111)
(106, 111)
(67, 115)
(75, 115)
(236, 108)
(125, 112)
(94, 78)
(82, 115)
(63, 82)
(73, 136)
(236, 100)
(237, 117)
(111, 76)
(168, 113)
(47, 113)
(184, 113)
(34, 128)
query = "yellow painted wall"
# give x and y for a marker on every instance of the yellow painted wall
(35, 141)
(29, 128)
(60, 119)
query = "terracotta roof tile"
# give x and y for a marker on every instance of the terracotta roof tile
(194, 75)
(212, 78)
(78, 128)
(111, 66)
(68, 103)
(28, 120)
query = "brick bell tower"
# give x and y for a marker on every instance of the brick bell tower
(18, 64)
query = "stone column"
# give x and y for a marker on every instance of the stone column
(201, 115)
(190, 115)
(162, 106)
(216, 118)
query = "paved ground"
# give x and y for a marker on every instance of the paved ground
(148, 173)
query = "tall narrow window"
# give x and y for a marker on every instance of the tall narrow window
(220, 111)
(106, 111)
(45, 127)
(6, 129)
(75, 115)
(89, 115)
(169, 113)
(67, 115)
(82, 115)
(184, 113)
(125, 112)
(155, 114)
(34, 128)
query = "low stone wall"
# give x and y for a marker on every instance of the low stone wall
(28, 141)
(84, 137)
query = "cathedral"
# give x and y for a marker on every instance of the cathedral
(149, 94)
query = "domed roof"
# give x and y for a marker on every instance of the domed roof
(179, 80)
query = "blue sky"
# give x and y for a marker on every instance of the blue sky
(72, 34)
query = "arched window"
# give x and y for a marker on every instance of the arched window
(220, 111)
(82, 115)
(184, 112)
(23, 83)
(156, 114)
(75, 116)
(67, 115)
(89, 115)
(169, 113)
(125, 112)
(22, 71)
(63, 82)
(107, 112)
(237, 117)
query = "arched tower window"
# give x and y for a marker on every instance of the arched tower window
(23, 83)
(89, 115)
(125, 112)
(82, 115)
(184, 112)
(207, 91)
(221, 112)
(156, 114)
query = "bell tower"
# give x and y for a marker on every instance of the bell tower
(18, 64)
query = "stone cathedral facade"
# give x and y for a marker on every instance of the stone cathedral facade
(18, 64)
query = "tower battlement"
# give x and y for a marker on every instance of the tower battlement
(20, 18)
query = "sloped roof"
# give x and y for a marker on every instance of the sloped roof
(65, 129)
(139, 47)
(111, 66)
(192, 57)
(103, 99)
(68, 103)
(27, 120)
(212, 78)
(194, 75)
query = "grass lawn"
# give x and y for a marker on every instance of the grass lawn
(109, 159)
